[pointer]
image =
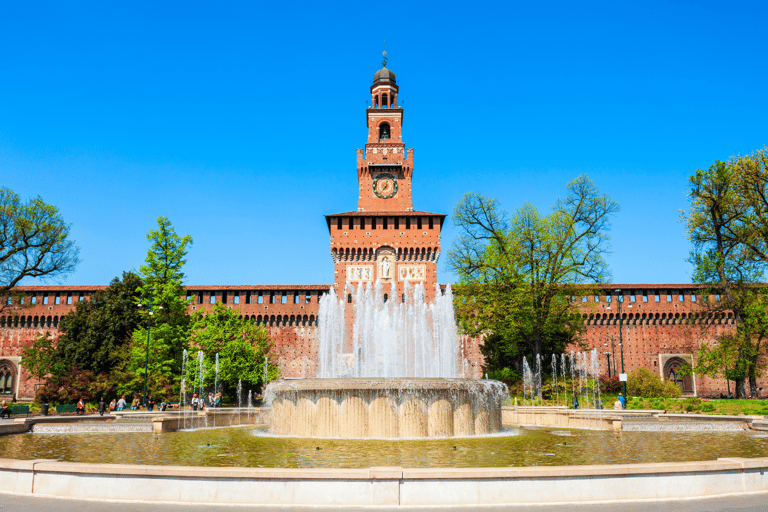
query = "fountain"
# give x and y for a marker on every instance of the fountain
(396, 376)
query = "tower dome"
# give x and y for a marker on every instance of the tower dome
(384, 76)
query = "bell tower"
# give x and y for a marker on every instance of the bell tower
(385, 240)
(384, 166)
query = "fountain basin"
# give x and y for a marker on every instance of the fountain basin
(385, 408)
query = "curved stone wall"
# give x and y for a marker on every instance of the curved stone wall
(385, 408)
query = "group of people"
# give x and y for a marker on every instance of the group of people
(620, 403)
(199, 403)
(121, 404)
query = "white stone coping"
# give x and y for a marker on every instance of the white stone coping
(392, 486)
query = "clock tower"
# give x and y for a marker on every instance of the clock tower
(385, 240)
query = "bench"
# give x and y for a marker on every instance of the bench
(19, 409)
(65, 408)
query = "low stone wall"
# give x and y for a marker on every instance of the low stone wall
(389, 486)
(561, 417)
(210, 418)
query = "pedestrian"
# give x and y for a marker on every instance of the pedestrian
(80, 407)
(112, 405)
(135, 403)
(575, 402)
(102, 406)
(194, 401)
(617, 404)
(150, 403)
(217, 400)
(6, 411)
(211, 400)
(622, 400)
(121, 403)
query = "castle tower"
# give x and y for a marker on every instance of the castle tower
(385, 239)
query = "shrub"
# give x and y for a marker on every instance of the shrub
(610, 384)
(642, 382)
(505, 375)
(708, 407)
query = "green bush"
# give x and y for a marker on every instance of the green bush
(643, 382)
(708, 407)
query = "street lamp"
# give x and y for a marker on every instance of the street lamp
(146, 359)
(621, 342)
(608, 358)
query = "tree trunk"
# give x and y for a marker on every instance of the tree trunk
(728, 385)
(741, 390)
(753, 391)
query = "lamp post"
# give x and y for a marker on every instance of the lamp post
(621, 343)
(608, 357)
(146, 359)
(613, 349)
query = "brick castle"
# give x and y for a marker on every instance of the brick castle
(386, 239)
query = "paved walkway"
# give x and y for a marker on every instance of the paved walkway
(757, 502)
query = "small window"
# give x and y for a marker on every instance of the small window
(632, 298)
(271, 298)
(597, 298)
(669, 297)
(397, 223)
(403, 298)
(69, 299)
(296, 297)
(384, 223)
(308, 298)
(418, 223)
(681, 298)
(34, 299)
(260, 300)
(236, 299)
(608, 299)
(81, 298)
(200, 298)
(584, 298)
(349, 298)
(386, 297)
(338, 223)
(21, 300)
(284, 298)
(351, 223)
(384, 131)
(10, 300)
(717, 297)
(645, 297)
(57, 300)
(362, 222)
(45, 299)
(658, 298)
(693, 297)
(189, 297)
(212, 300)
(407, 223)
(247, 297)
(431, 223)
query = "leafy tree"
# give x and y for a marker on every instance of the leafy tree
(168, 333)
(241, 345)
(644, 383)
(517, 276)
(97, 331)
(41, 358)
(34, 242)
(720, 226)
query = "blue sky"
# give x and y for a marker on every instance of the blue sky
(239, 120)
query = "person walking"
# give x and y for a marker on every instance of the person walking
(121, 403)
(575, 402)
(102, 406)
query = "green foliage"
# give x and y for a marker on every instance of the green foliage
(34, 241)
(96, 333)
(74, 385)
(166, 256)
(644, 383)
(241, 345)
(41, 359)
(610, 384)
(505, 375)
(517, 276)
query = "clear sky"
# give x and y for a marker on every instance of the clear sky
(239, 120)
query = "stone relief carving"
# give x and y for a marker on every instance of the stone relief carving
(359, 273)
(412, 272)
(386, 268)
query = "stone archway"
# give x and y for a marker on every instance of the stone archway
(671, 372)
(8, 377)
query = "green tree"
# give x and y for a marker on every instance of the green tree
(518, 277)
(724, 258)
(241, 345)
(96, 333)
(41, 359)
(34, 242)
(163, 304)
(644, 383)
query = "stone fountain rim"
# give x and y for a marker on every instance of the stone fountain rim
(403, 384)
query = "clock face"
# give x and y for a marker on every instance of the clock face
(385, 185)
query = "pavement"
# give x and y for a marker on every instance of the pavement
(754, 502)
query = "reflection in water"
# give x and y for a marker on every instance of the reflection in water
(239, 447)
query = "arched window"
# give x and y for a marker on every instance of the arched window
(386, 297)
(7, 374)
(384, 131)
(403, 298)
(349, 298)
